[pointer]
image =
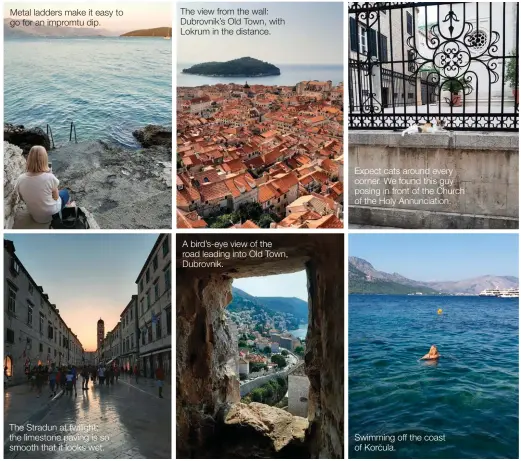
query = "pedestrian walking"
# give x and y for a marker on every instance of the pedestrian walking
(53, 373)
(117, 373)
(93, 375)
(136, 372)
(74, 379)
(85, 376)
(101, 374)
(69, 381)
(160, 377)
(63, 378)
(39, 381)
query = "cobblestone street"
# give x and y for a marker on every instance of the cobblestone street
(126, 420)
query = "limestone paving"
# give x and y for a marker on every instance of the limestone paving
(122, 421)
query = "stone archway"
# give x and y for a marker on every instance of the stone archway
(206, 384)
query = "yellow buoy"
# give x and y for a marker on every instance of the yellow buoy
(440, 311)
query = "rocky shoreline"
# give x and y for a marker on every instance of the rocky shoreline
(121, 188)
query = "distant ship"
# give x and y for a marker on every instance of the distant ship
(168, 37)
(497, 293)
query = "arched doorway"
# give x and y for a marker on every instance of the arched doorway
(8, 366)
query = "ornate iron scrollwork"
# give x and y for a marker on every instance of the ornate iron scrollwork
(452, 53)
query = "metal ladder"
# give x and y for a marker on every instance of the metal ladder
(73, 128)
(49, 134)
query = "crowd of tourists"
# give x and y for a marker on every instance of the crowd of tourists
(66, 377)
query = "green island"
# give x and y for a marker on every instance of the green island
(242, 67)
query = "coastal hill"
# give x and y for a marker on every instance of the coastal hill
(364, 278)
(294, 310)
(242, 67)
(157, 32)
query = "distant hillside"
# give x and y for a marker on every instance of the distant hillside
(293, 306)
(362, 283)
(294, 309)
(242, 67)
(157, 32)
(364, 278)
(54, 32)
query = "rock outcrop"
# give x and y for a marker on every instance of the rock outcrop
(14, 166)
(25, 138)
(124, 189)
(261, 431)
(154, 135)
(16, 215)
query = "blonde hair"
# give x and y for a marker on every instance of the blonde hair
(433, 350)
(37, 160)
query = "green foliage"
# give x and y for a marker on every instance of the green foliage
(265, 221)
(455, 85)
(281, 381)
(512, 70)
(250, 210)
(267, 350)
(251, 337)
(236, 67)
(285, 353)
(257, 395)
(269, 391)
(242, 376)
(255, 367)
(224, 221)
(242, 344)
(279, 360)
(299, 350)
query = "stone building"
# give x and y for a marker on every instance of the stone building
(155, 309)
(298, 392)
(35, 333)
(129, 335)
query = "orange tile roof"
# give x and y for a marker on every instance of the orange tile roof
(190, 220)
(214, 191)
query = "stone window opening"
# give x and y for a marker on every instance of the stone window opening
(211, 421)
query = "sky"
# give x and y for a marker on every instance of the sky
(284, 285)
(87, 276)
(439, 257)
(142, 15)
(312, 34)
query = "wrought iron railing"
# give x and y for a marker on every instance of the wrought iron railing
(413, 62)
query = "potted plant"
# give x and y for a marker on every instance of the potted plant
(455, 86)
(510, 75)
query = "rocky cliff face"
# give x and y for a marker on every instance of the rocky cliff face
(25, 138)
(14, 166)
(211, 423)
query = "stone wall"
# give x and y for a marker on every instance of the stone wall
(206, 382)
(14, 166)
(298, 395)
(246, 388)
(486, 166)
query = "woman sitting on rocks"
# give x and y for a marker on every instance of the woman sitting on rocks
(38, 188)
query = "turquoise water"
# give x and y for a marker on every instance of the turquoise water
(289, 75)
(107, 86)
(470, 396)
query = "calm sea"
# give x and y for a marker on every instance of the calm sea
(289, 75)
(470, 396)
(107, 86)
(301, 332)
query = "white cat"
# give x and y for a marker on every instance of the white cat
(435, 126)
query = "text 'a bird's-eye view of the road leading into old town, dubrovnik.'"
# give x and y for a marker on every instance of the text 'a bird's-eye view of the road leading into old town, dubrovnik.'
(260, 116)
(87, 346)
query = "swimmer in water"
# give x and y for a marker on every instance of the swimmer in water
(432, 355)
